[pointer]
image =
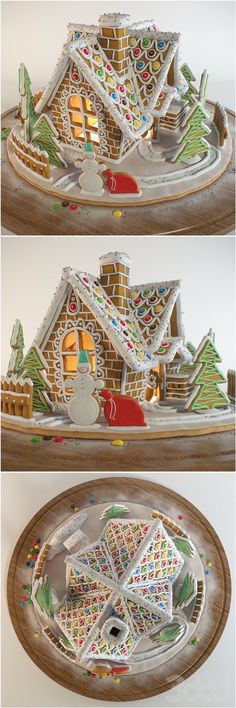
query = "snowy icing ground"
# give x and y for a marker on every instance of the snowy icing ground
(158, 178)
(161, 419)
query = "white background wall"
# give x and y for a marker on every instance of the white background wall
(31, 270)
(34, 32)
(25, 685)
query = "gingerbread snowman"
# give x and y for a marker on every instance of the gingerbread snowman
(83, 407)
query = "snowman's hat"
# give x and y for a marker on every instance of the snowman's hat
(83, 357)
(89, 150)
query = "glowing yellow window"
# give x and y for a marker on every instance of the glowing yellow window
(70, 363)
(94, 138)
(72, 344)
(93, 122)
(69, 342)
(76, 118)
(88, 104)
(74, 102)
(78, 133)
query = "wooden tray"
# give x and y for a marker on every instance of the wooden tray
(187, 661)
(28, 211)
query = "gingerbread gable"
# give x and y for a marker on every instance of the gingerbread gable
(132, 69)
(138, 332)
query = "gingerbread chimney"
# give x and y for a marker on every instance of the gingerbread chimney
(114, 39)
(114, 277)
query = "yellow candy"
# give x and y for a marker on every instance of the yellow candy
(117, 679)
(110, 81)
(135, 111)
(98, 59)
(118, 443)
(132, 41)
(156, 65)
(209, 564)
(137, 123)
(117, 213)
(129, 86)
(158, 308)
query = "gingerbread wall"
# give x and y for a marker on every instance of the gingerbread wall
(113, 133)
(134, 381)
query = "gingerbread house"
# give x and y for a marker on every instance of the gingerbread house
(127, 330)
(119, 589)
(112, 84)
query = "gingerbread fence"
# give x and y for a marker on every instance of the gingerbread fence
(221, 122)
(169, 523)
(39, 566)
(17, 396)
(231, 383)
(32, 157)
(198, 602)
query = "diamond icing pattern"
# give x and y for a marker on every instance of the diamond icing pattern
(158, 593)
(99, 648)
(149, 307)
(80, 583)
(159, 561)
(96, 559)
(76, 617)
(142, 618)
(122, 541)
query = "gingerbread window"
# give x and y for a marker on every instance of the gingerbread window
(74, 340)
(83, 119)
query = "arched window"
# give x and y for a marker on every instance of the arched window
(83, 119)
(73, 341)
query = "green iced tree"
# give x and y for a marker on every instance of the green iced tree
(203, 87)
(45, 136)
(205, 378)
(191, 92)
(17, 345)
(26, 106)
(192, 141)
(34, 367)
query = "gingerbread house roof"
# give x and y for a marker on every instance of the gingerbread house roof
(140, 336)
(140, 93)
(120, 585)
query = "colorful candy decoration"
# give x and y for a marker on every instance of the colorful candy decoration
(4, 133)
(192, 142)
(121, 183)
(122, 410)
(206, 393)
(26, 599)
(33, 552)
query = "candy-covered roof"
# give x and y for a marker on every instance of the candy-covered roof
(141, 92)
(123, 580)
(140, 337)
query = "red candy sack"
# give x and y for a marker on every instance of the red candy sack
(121, 410)
(121, 183)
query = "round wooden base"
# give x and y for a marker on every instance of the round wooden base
(205, 212)
(213, 619)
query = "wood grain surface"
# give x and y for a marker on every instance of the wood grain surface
(218, 595)
(27, 211)
(213, 452)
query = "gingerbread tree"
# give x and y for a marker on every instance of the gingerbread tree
(26, 107)
(203, 87)
(34, 367)
(45, 136)
(191, 92)
(192, 141)
(17, 345)
(205, 379)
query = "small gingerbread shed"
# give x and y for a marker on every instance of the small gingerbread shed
(118, 589)
(111, 84)
(128, 331)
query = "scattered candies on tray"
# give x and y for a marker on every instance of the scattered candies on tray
(117, 443)
(73, 207)
(36, 438)
(117, 213)
(26, 599)
(32, 556)
(56, 207)
(195, 641)
(180, 517)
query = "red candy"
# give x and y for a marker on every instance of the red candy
(73, 207)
